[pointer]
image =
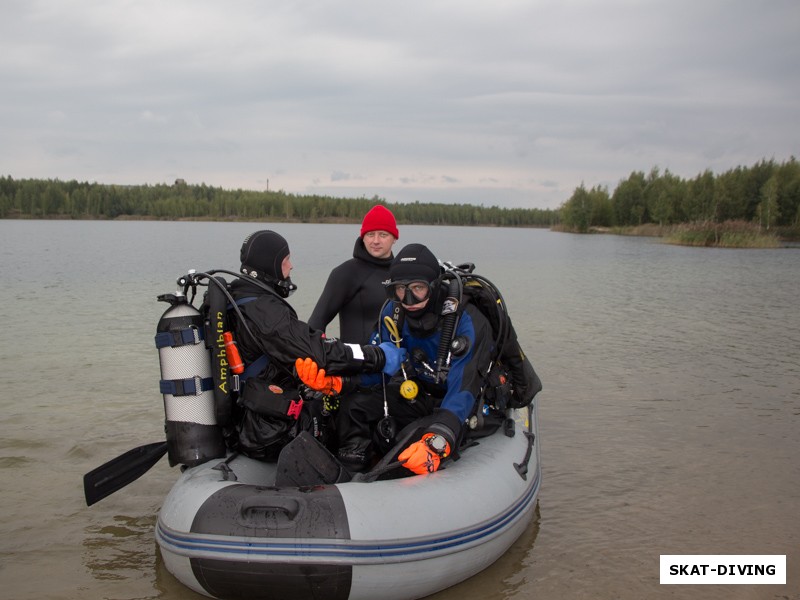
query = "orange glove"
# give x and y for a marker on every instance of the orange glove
(309, 373)
(420, 458)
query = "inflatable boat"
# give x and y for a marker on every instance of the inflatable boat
(230, 529)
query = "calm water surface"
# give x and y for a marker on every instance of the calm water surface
(670, 419)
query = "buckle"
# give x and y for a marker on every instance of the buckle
(295, 406)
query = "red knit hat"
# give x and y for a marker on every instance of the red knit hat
(379, 218)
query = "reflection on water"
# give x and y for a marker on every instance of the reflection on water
(503, 579)
(14, 462)
(121, 550)
(167, 585)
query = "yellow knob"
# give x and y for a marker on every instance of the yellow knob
(409, 389)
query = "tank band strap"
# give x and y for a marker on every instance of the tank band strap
(179, 337)
(192, 386)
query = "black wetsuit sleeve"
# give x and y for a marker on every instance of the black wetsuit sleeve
(335, 295)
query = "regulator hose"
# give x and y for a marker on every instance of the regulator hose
(449, 322)
(193, 279)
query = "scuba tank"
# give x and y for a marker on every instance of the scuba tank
(193, 436)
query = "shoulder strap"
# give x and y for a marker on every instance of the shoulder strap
(259, 364)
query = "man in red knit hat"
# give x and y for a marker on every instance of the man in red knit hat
(354, 289)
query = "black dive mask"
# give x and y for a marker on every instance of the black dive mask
(409, 292)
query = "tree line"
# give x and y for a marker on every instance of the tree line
(767, 193)
(53, 198)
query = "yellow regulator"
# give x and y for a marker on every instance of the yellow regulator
(409, 389)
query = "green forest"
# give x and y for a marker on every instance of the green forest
(765, 195)
(55, 199)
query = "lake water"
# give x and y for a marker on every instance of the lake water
(670, 418)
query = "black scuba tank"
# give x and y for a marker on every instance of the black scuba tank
(193, 436)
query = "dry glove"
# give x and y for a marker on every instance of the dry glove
(309, 373)
(393, 357)
(424, 456)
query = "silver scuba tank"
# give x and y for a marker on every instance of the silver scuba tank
(193, 436)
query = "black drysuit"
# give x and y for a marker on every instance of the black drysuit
(269, 410)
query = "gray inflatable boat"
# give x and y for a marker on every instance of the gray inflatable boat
(226, 530)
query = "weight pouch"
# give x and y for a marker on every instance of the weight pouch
(269, 400)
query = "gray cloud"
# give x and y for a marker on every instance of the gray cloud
(514, 103)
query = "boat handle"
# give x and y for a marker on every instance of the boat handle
(279, 511)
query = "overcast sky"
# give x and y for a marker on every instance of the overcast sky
(510, 102)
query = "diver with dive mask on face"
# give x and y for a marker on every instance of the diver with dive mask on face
(422, 317)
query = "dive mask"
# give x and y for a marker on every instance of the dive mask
(409, 292)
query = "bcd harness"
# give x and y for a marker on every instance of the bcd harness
(508, 369)
(217, 308)
(203, 380)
